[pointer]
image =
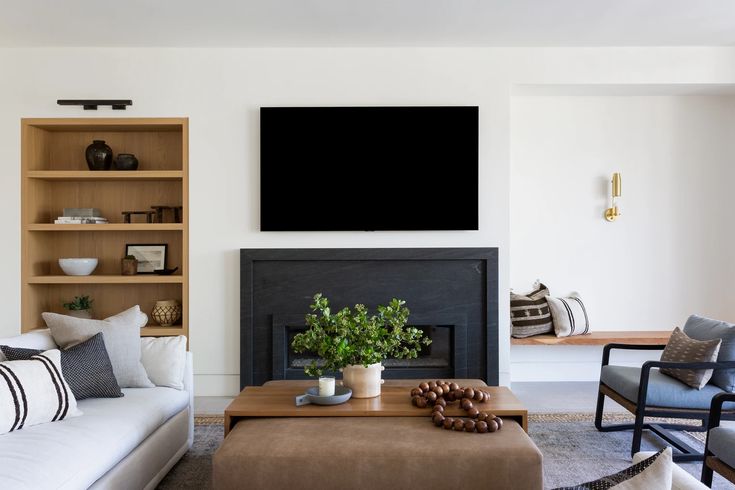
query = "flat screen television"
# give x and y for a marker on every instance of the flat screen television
(368, 168)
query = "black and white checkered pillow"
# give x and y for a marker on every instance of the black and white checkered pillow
(86, 368)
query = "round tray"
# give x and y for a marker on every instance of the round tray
(341, 395)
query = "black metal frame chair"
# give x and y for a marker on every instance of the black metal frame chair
(711, 461)
(641, 410)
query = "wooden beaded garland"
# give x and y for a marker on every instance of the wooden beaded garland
(438, 394)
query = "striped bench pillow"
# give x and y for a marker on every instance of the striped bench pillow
(570, 316)
(529, 313)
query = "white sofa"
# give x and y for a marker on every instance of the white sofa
(680, 479)
(119, 443)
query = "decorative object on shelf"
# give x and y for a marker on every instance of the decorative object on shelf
(91, 104)
(440, 394)
(126, 161)
(80, 307)
(78, 267)
(341, 395)
(99, 155)
(357, 343)
(151, 256)
(326, 385)
(167, 312)
(612, 213)
(128, 214)
(165, 272)
(81, 216)
(161, 213)
(129, 265)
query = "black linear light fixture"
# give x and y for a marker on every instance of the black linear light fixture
(91, 104)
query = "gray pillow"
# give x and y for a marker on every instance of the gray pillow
(681, 348)
(86, 368)
(701, 328)
(122, 340)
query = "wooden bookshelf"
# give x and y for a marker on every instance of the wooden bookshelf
(54, 175)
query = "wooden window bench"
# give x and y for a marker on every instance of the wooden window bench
(599, 338)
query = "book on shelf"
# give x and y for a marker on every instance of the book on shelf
(66, 220)
(77, 213)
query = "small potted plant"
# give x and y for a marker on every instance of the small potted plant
(81, 307)
(129, 265)
(356, 343)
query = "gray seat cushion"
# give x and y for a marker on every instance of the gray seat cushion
(701, 328)
(722, 444)
(663, 391)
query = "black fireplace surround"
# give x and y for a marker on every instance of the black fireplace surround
(452, 294)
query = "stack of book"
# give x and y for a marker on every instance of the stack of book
(81, 216)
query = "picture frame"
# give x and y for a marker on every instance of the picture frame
(151, 256)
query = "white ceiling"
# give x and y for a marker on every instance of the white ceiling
(367, 22)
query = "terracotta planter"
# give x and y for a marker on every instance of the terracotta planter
(129, 267)
(363, 381)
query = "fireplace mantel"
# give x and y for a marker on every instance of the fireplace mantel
(455, 288)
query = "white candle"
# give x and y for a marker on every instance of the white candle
(326, 386)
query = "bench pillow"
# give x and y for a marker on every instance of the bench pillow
(86, 368)
(569, 315)
(681, 348)
(122, 340)
(34, 392)
(529, 313)
(701, 328)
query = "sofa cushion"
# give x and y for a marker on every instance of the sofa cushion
(34, 392)
(122, 340)
(36, 339)
(701, 328)
(653, 473)
(663, 391)
(722, 444)
(76, 452)
(164, 359)
(683, 349)
(86, 368)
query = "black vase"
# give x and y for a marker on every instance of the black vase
(126, 161)
(99, 156)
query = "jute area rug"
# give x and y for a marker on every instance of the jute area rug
(574, 451)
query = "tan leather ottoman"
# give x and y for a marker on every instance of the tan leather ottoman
(373, 453)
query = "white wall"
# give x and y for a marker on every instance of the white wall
(221, 90)
(669, 255)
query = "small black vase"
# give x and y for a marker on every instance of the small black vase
(126, 161)
(99, 156)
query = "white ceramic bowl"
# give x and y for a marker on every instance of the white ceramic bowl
(78, 267)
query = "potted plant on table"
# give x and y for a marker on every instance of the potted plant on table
(81, 307)
(356, 343)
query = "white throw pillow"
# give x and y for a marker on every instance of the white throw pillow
(34, 392)
(164, 359)
(654, 473)
(569, 315)
(122, 341)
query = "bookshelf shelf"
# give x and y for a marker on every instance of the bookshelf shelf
(105, 175)
(107, 227)
(108, 279)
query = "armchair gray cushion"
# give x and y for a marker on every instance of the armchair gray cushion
(701, 328)
(663, 391)
(722, 444)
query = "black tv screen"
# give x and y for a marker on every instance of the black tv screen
(368, 168)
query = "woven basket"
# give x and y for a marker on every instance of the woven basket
(166, 313)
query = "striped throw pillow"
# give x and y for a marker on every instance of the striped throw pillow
(570, 316)
(34, 392)
(529, 313)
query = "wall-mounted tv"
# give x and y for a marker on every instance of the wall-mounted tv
(368, 168)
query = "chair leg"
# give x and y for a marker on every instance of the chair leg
(706, 472)
(637, 432)
(600, 409)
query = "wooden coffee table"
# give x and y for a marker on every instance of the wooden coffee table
(276, 399)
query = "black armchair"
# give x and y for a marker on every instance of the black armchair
(645, 392)
(719, 453)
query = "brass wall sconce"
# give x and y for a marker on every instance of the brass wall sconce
(612, 213)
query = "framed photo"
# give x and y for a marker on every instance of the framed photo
(151, 256)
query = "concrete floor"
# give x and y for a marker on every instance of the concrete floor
(538, 397)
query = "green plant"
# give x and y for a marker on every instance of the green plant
(130, 257)
(79, 303)
(350, 337)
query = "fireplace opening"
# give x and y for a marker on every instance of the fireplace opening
(437, 355)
